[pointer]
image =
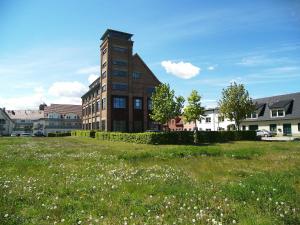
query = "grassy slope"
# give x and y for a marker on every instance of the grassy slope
(82, 181)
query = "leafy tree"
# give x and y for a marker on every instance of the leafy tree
(235, 103)
(193, 110)
(42, 106)
(165, 105)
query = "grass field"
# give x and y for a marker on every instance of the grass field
(85, 181)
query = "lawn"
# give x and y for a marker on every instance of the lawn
(76, 180)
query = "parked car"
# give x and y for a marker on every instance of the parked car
(26, 135)
(264, 133)
(39, 134)
(152, 131)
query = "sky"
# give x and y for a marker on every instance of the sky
(49, 50)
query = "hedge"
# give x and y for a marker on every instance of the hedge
(178, 137)
(83, 133)
(59, 134)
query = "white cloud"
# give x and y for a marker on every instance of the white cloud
(181, 69)
(87, 70)
(67, 89)
(92, 78)
(30, 101)
(211, 68)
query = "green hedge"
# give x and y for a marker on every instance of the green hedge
(59, 134)
(83, 133)
(178, 137)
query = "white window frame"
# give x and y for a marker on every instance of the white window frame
(271, 113)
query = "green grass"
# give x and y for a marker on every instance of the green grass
(85, 181)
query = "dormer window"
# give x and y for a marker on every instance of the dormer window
(277, 113)
(252, 115)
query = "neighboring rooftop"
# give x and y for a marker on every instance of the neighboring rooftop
(289, 102)
(25, 114)
(116, 34)
(63, 109)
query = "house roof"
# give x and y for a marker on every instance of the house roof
(63, 109)
(117, 34)
(25, 114)
(5, 114)
(289, 102)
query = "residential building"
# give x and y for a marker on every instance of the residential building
(213, 121)
(120, 99)
(280, 114)
(176, 124)
(24, 119)
(59, 118)
(6, 123)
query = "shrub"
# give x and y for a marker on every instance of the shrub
(179, 137)
(59, 134)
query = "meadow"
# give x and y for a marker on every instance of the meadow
(77, 180)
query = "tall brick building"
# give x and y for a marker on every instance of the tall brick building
(119, 100)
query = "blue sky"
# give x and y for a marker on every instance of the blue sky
(49, 50)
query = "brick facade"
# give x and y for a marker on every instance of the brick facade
(118, 100)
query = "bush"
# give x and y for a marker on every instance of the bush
(83, 133)
(59, 134)
(178, 137)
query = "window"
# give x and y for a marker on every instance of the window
(207, 119)
(221, 118)
(104, 51)
(104, 64)
(103, 103)
(136, 75)
(253, 127)
(119, 49)
(138, 103)
(104, 74)
(98, 105)
(149, 104)
(119, 73)
(119, 103)
(277, 113)
(2, 121)
(273, 127)
(119, 86)
(119, 125)
(298, 126)
(150, 90)
(138, 126)
(208, 129)
(103, 88)
(119, 62)
(102, 124)
(252, 115)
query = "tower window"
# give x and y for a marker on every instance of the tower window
(138, 103)
(119, 103)
(120, 86)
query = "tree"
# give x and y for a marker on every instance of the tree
(165, 105)
(42, 106)
(193, 110)
(235, 103)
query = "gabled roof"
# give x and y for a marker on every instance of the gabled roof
(63, 109)
(117, 34)
(25, 114)
(281, 104)
(5, 114)
(145, 65)
(289, 102)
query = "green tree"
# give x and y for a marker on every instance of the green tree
(193, 110)
(165, 105)
(235, 103)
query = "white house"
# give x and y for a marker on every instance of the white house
(212, 121)
(280, 114)
(6, 123)
(59, 118)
